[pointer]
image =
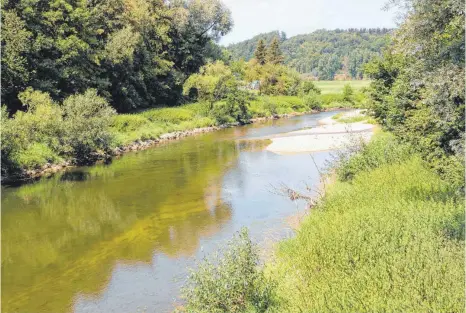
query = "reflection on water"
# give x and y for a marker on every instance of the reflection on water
(119, 236)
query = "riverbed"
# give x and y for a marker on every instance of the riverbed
(120, 237)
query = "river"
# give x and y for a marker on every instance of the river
(120, 237)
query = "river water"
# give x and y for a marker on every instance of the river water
(120, 237)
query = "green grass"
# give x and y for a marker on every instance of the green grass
(391, 239)
(336, 86)
(152, 123)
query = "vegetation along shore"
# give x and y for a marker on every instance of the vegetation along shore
(44, 143)
(86, 81)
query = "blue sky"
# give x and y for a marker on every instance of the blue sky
(294, 17)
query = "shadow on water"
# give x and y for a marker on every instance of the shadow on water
(76, 175)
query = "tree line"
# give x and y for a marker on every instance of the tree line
(323, 53)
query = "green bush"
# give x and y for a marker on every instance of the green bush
(87, 119)
(308, 86)
(230, 282)
(312, 101)
(348, 93)
(32, 138)
(234, 109)
(36, 155)
(270, 107)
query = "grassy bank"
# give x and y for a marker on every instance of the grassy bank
(336, 86)
(152, 123)
(389, 240)
(388, 236)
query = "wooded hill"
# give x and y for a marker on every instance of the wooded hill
(323, 53)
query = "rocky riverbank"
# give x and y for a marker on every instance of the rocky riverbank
(50, 169)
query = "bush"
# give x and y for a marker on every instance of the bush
(231, 282)
(233, 109)
(307, 86)
(348, 93)
(31, 139)
(87, 118)
(36, 155)
(312, 101)
(213, 83)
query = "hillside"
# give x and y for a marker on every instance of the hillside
(323, 53)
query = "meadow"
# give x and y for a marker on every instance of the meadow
(336, 86)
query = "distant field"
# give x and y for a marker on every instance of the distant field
(336, 86)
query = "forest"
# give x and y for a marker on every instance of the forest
(136, 53)
(323, 54)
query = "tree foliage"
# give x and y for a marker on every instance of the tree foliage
(261, 52)
(136, 53)
(418, 86)
(48, 132)
(323, 53)
(274, 54)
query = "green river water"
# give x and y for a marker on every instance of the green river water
(120, 237)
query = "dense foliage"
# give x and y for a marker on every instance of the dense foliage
(418, 86)
(135, 53)
(47, 133)
(231, 282)
(323, 53)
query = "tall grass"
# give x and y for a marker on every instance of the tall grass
(390, 239)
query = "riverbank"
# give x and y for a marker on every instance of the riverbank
(387, 235)
(390, 237)
(143, 130)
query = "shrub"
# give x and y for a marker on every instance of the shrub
(308, 86)
(87, 118)
(231, 282)
(233, 109)
(270, 107)
(31, 137)
(213, 82)
(348, 93)
(36, 155)
(312, 101)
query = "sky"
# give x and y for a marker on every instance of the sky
(252, 17)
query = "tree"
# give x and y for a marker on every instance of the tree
(418, 86)
(213, 82)
(261, 52)
(274, 54)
